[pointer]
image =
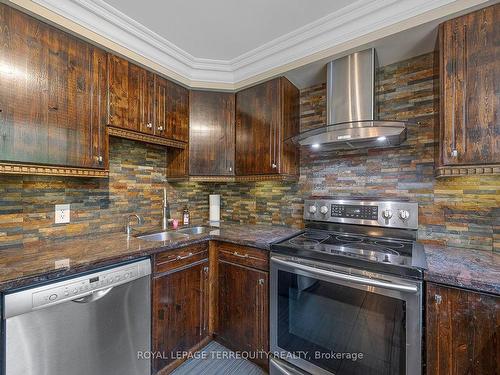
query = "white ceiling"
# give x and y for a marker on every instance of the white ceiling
(391, 49)
(231, 44)
(224, 29)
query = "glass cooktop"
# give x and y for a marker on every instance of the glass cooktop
(378, 249)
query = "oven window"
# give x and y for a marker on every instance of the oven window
(322, 318)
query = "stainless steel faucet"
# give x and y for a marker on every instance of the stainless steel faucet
(165, 211)
(140, 220)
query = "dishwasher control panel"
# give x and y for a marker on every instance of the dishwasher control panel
(75, 288)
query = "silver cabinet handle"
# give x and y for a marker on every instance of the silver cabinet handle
(149, 125)
(261, 281)
(273, 165)
(239, 255)
(160, 128)
(230, 169)
(184, 257)
(438, 299)
(350, 278)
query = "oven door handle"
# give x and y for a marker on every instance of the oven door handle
(350, 278)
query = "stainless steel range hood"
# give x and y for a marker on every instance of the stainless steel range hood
(350, 109)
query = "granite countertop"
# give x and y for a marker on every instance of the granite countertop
(466, 268)
(33, 263)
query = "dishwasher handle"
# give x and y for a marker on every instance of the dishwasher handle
(80, 288)
(93, 296)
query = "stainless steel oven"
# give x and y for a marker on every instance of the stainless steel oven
(333, 319)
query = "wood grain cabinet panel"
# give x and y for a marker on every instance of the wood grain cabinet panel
(470, 77)
(266, 115)
(131, 96)
(242, 323)
(243, 308)
(180, 312)
(52, 95)
(463, 332)
(211, 133)
(177, 112)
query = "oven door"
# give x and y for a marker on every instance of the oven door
(328, 319)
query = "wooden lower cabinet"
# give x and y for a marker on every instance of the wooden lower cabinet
(203, 291)
(243, 305)
(180, 310)
(463, 332)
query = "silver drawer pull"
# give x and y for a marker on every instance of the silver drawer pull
(239, 255)
(149, 125)
(184, 257)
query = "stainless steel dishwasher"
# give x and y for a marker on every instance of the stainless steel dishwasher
(96, 323)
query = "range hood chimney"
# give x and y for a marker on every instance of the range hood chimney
(351, 122)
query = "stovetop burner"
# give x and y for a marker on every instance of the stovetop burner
(353, 244)
(376, 235)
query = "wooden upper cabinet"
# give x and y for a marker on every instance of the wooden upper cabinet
(177, 106)
(142, 101)
(131, 96)
(52, 95)
(462, 331)
(211, 133)
(266, 115)
(470, 80)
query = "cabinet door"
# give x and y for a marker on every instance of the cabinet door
(463, 331)
(140, 99)
(100, 142)
(47, 83)
(131, 96)
(161, 99)
(257, 120)
(180, 311)
(288, 154)
(243, 307)
(211, 133)
(118, 92)
(177, 112)
(470, 55)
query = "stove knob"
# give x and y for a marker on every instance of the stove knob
(323, 210)
(404, 215)
(312, 209)
(387, 214)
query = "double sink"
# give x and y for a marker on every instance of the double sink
(173, 235)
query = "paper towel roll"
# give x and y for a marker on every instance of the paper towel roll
(214, 203)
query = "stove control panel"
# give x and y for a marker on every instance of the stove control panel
(380, 213)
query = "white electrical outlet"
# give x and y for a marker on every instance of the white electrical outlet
(62, 213)
(61, 263)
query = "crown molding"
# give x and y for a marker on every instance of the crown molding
(359, 23)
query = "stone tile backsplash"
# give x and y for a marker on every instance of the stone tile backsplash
(461, 212)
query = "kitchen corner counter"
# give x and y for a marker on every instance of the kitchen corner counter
(36, 262)
(465, 268)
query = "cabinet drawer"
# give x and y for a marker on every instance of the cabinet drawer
(170, 260)
(243, 255)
